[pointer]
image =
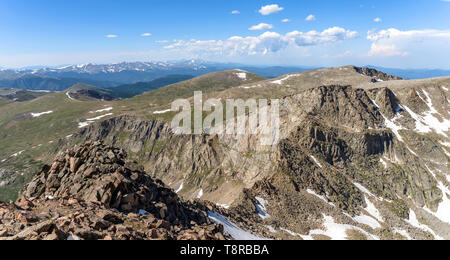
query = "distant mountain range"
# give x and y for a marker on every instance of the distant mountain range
(414, 73)
(126, 73)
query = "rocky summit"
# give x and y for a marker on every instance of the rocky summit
(94, 192)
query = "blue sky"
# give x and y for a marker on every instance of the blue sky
(407, 33)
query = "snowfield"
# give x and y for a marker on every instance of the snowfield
(235, 232)
(280, 81)
(91, 120)
(413, 221)
(333, 230)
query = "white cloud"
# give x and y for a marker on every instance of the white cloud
(377, 20)
(394, 34)
(146, 34)
(111, 36)
(385, 50)
(270, 9)
(235, 12)
(268, 42)
(330, 35)
(261, 26)
(286, 20)
(393, 42)
(310, 18)
(162, 41)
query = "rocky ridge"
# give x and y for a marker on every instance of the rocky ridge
(93, 192)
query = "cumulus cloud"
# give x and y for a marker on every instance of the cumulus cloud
(392, 42)
(310, 18)
(285, 20)
(268, 42)
(385, 50)
(235, 12)
(111, 36)
(394, 34)
(270, 9)
(261, 26)
(377, 20)
(330, 35)
(146, 34)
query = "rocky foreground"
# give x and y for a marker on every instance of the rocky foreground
(92, 192)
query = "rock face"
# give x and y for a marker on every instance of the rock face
(93, 192)
(375, 74)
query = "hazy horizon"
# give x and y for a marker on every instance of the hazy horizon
(326, 33)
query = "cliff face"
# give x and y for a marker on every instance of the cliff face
(354, 147)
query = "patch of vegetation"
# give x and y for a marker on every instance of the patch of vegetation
(353, 234)
(399, 208)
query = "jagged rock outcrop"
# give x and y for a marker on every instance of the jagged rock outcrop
(93, 192)
(375, 74)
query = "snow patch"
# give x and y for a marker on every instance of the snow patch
(162, 111)
(225, 206)
(280, 81)
(403, 233)
(242, 75)
(391, 123)
(382, 161)
(91, 120)
(372, 210)
(99, 117)
(336, 231)
(261, 207)
(68, 95)
(180, 188)
(428, 122)
(83, 124)
(320, 197)
(235, 232)
(49, 197)
(316, 161)
(17, 154)
(271, 229)
(443, 212)
(367, 220)
(200, 194)
(41, 114)
(102, 110)
(413, 221)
